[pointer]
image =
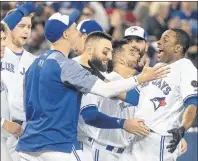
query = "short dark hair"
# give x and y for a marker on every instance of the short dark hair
(117, 49)
(3, 27)
(182, 38)
(117, 45)
(98, 35)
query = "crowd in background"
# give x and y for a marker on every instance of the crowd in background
(115, 17)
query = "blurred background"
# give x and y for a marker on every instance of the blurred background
(115, 17)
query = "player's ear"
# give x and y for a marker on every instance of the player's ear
(65, 35)
(90, 49)
(147, 46)
(84, 36)
(121, 61)
(178, 48)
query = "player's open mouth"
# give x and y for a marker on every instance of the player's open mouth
(24, 38)
(160, 51)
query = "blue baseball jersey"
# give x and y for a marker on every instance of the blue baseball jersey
(53, 88)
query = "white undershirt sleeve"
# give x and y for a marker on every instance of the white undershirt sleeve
(113, 88)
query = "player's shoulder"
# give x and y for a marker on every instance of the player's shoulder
(185, 64)
(61, 60)
(77, 59)
(30, 54)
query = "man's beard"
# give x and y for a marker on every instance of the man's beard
(139, 67)
(98, 63)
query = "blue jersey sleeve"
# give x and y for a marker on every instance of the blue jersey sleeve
(77, 76)
(73, 74)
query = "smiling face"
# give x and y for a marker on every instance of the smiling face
(166, 46)
(102, 53)
(139, 44)
(21, 33)
(131, 55)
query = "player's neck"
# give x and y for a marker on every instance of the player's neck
(14, 48)
(125, 72)
(174, 59)
(64, 49)
(84, 60)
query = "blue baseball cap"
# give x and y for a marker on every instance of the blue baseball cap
(88, 26)
(58, 23)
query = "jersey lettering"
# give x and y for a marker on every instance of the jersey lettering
(7, 66)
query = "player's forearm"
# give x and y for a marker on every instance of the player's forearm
(114, 88)
(13, 19)
(189, 116)
(93, 117)
(131, 97)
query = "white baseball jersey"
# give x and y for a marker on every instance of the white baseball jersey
(85, 130)
(115, 108)
(15, 67)
(5, 112)
(161, 101)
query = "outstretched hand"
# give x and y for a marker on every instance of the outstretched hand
(151, 73)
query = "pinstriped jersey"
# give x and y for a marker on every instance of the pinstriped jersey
(161, 101)
(115, 108)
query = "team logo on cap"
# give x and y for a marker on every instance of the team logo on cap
(158, 102)
(134, 29)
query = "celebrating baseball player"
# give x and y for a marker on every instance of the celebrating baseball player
(167, 105)
(15, 62)
(7, 126)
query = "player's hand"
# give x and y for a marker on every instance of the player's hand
(136, 127)
(96, 72)
(12, 128)
(178, 134)
(152, 73)
(29, 7)
(184, 146)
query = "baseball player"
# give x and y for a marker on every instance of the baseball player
(89, 103)
(5, 123)
(111, 143)
(16, 61)
(53, 88)
(84, 28)
(170, 108)
(8, 127)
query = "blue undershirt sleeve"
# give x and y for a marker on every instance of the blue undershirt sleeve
(93, 117)
(191, 101)
(13, 19)
(132, 97)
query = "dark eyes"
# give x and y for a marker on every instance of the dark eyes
(105, 53)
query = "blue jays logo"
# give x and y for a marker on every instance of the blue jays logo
(158, 102)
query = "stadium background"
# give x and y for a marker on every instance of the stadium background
(115, 17)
